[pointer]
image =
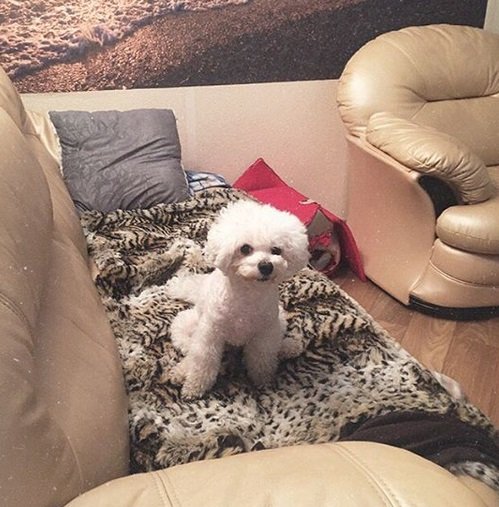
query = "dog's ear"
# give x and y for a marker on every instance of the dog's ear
(219, 249)
(297, 253)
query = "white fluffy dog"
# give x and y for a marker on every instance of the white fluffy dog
(253, 247)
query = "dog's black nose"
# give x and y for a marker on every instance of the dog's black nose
(265, 268)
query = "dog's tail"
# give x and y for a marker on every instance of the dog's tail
(186, 287)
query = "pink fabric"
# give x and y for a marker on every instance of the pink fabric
(263, 183)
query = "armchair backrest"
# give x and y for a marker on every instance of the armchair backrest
(441, 76)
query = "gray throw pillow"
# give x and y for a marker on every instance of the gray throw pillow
(121, 159)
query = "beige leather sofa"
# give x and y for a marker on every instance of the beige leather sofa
(63, 420)
(421, 107)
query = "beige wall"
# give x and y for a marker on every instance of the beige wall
(294, 126)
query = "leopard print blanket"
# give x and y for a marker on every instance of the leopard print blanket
(349, 369)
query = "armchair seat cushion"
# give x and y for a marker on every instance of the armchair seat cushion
(473, 228)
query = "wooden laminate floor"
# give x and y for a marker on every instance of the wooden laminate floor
(465, 351)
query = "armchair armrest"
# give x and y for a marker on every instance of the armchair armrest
(431, 152)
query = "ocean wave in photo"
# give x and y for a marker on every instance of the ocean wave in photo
(34, 33)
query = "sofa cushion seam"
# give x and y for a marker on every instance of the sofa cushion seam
(166, 489)
(375, 481)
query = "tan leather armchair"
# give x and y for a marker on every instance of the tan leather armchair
(421, 109)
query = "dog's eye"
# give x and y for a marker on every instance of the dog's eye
(275, 250)
(246, 249)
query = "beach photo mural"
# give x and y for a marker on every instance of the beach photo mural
(67, 45)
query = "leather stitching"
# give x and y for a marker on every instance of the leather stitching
(166, 489)
(379, 486)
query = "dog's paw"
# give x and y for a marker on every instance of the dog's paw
(193, 384)
(192, 390)
(291, 347)
(178, 374)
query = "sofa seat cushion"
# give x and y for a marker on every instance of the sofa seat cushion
(347, 474)
(473, 228)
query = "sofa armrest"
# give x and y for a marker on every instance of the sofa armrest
(431, 152)
(347, 474)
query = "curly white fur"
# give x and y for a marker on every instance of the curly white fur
(253, 247)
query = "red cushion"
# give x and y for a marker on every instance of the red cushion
(263, 183)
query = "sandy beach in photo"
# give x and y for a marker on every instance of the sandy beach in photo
(36, 33)
(259, 41)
